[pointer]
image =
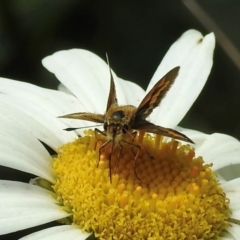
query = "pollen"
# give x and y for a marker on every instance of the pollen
(160, 190)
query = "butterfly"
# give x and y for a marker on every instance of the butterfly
(122, 122)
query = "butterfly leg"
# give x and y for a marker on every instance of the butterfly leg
(136, 155)
(133, 136)
(102, 147)
(138, 146)
(110, 156)
(118, 158)
(96, 131)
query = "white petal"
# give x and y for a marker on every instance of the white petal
(84, 74)
(20, 157)
(227, 238)
(62, 88)
(232, 189)
(134, 94)
(226, 235)
(211, 148)
(221, 150)
(193, 54)
(55, 102)
(43, 125)
(87, 76)
(229, 172)
(21, 150)
(196, 136)
(47, 104)
(221, 179)
(235, 211)
(23, 206)
(58, 233)
(234, 230)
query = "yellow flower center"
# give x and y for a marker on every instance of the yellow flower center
(164, 193)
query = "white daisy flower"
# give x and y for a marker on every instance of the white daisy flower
(176, 195)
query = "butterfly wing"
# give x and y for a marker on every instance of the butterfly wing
(156, 94)
(168, 132)
(112, 97)
(92, 117)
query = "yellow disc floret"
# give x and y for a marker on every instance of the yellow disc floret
(157, 191)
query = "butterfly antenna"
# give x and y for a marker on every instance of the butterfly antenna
(73, 129)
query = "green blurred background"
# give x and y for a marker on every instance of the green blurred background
(136, 35)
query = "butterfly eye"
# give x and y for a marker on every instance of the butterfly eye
(118, 114)
(124, 128)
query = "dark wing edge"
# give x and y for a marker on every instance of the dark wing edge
(156, 94)
(168, 132)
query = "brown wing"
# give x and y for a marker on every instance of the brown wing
(112, 97)
(92, 117)
(157, 93)
(168, 132)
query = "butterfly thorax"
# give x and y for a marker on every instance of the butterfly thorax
(117, 121)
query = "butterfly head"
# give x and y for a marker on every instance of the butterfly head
(116, 123)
